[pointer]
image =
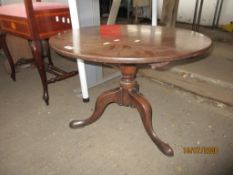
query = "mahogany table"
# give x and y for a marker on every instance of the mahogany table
(129, 46)
(36, 22)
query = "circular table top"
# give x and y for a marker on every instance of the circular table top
(130, 44)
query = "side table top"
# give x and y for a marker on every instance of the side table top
(130, 44)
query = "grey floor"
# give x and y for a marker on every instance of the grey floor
(35, 139)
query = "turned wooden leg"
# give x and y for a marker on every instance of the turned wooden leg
(102, 102)
(144, 108)
(127, 95)
(37, 53)
(48, 52)
(7, 53)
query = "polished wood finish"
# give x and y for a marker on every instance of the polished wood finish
(27, 26)
(36, 25)
(129, 46)
(127, 95)
(3, 44)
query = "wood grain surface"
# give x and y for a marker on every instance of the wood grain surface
(130, 44)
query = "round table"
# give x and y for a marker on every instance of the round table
(128, 46)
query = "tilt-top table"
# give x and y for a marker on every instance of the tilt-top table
(129, 46)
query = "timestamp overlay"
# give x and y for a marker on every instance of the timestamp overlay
(211, 150)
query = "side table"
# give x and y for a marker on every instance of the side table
(128, 46)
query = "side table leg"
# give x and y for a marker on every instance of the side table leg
(102, 102)
(144, 108)
(48, 51)
(7, 53)
(37, 54)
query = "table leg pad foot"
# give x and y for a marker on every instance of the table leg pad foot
(46, 97)
(102, 102)
(77, 124)
(144, 108)
(165, 149)
(13, 76)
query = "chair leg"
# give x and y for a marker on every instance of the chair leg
(48, 52)
(37, 53)
(7, 53)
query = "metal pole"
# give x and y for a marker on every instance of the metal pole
(128, 9)
(219, 13)
(114, 11)
(199, 15)
(195, 15)
(73, 6)
(215, 14)
(154, 12)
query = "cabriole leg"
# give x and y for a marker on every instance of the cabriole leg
(144, 108)
(7, 53)
(102, 102)
(37, 54)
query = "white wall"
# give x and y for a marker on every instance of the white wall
(186, 11)
(227, 12)
(89, 12)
